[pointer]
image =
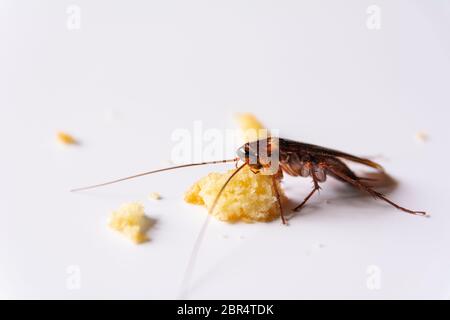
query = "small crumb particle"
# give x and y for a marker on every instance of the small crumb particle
(154, 196)
(422, 136)
(320, 245)
(131, 221)
(225, 236)
(66, 138)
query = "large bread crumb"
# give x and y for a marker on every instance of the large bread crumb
(130, 220)
(248, 197)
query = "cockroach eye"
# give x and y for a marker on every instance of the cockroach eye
(241, 153)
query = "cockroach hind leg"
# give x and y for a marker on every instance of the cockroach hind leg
(356, 183)
(413, 212)
(366, 179)
(381, 196)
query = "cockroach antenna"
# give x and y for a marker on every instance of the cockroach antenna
(154, 171)
(192, 259)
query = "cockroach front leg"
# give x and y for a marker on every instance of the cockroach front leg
(277, 194)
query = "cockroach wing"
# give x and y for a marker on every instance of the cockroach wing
(290, 146)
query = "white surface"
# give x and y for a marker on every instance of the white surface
(138, 70)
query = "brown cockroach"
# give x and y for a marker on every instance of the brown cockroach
(307, 160)
(293, 158)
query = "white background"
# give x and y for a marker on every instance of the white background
(137, 70)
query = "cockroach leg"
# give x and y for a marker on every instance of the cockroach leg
(277, 194)
(372, 192)
(316, 187)
(297, 208)
(366, 179)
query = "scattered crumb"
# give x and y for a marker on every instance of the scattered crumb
(248, 197)
(251, 128)
(320, 245)
(131, 221)
(225, 236)
(154, 196)
(66, 138)
(422, 136)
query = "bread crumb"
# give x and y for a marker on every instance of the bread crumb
(251, 128)
(422, 136)
(248, 197)
(66, 138)
(130, 220)
(154, 196)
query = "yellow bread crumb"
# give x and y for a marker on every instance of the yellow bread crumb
(65, 138)
(154, 196)
(130, 220)
(422, 136)
(248, 197)
(251, 128)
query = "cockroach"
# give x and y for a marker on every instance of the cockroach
(295, 159)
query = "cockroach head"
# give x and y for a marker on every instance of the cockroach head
(257, 154)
